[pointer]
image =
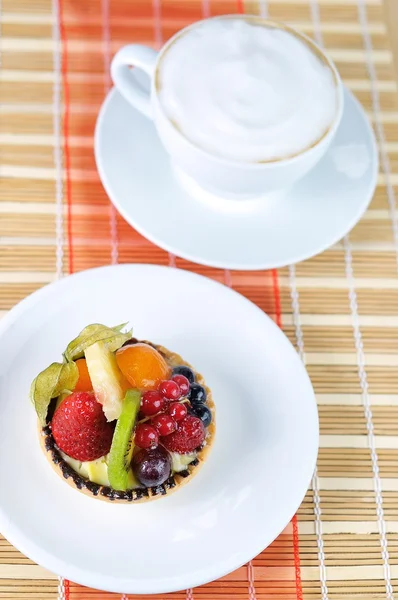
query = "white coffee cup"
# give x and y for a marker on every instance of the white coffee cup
(213, 173)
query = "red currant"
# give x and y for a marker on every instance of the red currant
(151, 403)
(164, 424)
(182, 383)
(170, 390)
(177, 411)
(146, 436)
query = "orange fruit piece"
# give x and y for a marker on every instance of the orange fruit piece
(143, 366)
(84, 382)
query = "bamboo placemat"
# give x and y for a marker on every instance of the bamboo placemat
(340, 308)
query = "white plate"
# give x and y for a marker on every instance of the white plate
(248, 490)
(284, 228)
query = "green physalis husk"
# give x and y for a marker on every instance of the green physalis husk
(61, 377)
(50, 383)
(112, 336)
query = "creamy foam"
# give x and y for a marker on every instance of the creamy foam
(246, 91)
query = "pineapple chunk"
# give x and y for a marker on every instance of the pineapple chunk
(106, 378)
(98, 471)
(132, 481)
(179, 462)
(95, 470)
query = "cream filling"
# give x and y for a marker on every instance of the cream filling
(97, 470)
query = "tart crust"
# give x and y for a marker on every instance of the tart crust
(107, 494)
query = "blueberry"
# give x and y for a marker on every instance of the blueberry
(186, 371)
(197, 394)
(204, 414)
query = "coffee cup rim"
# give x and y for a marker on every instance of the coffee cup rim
(330, 131)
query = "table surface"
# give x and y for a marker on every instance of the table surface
(339, 308)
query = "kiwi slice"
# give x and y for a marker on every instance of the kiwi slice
(121, 452)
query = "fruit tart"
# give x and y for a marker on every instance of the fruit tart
(123, 420)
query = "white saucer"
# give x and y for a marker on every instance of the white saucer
(247, 491)
(282, 228)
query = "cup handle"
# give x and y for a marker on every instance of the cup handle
(143, 58)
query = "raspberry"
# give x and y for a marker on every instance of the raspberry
(80, 428)
(189, 435)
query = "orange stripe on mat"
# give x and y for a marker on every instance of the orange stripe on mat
(67, 589)
(296, 547)
(65, 85)
(297, 567)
